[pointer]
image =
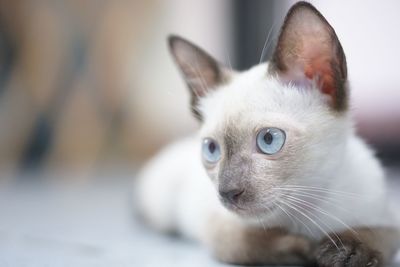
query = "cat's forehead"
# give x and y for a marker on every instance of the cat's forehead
(255, 98)
(239, 97)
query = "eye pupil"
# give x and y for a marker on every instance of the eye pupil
(211, 147)
(268, 138)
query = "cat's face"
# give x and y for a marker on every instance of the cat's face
(278, 125)
(259, 135)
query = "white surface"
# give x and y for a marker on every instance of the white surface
(91, 224)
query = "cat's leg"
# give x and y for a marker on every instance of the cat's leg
(370, 247)
(234, 242)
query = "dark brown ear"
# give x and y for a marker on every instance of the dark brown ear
(308, 51)
(201, 72)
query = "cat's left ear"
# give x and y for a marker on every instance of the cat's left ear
(308, 51)
(201, 72)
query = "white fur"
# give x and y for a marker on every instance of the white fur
(174, 192)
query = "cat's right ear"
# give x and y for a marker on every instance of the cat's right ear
(201, 72)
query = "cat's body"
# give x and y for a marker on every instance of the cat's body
(321, 191)
(176, 179)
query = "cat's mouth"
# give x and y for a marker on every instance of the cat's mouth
(230, 204)
(247, 210)
(237, 208)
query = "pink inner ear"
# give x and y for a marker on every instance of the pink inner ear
(320, 69)
(317, 62)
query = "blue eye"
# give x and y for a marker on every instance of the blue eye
(270, 140)
(210, 150)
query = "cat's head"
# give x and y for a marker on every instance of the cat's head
(278, 125)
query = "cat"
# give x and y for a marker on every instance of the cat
(276, 174)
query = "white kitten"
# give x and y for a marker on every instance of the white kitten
(276, 173)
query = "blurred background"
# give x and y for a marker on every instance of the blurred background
(88, 92)
(85, 84)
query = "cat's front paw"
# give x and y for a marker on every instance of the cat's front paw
(348, 252)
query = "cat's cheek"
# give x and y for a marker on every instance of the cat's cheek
(268, 174)
(212, 171)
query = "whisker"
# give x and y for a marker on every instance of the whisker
(314, 195)
(316, 208)
(259, 220)
(322, 190)
(290, 215)
(266, 43)
(326, 199)
(319, 219)
(290, 205)
(332, 201)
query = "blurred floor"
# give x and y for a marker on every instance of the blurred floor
(48, 223)
(51, 224)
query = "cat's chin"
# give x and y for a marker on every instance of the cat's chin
(236, 208)
(251, 212)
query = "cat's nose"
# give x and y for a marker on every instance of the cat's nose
(231, 195)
